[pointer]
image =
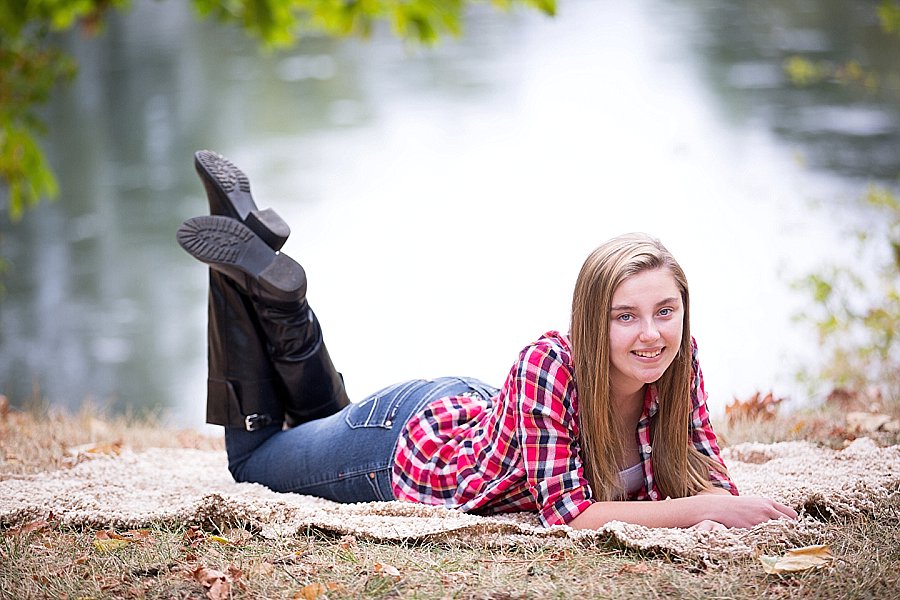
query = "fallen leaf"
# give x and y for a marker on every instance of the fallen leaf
(347, 542)
(107, 545)
(312, 591)
(561, 555)
(234, 573)
(218, 539)
(264, 568)
(140, 535)
(217, 583)
(386, 570)
(755, 408)
(636, 568)
(30, 527)
(194, 536)
(798, 559)
(104, 448)
(238, 537)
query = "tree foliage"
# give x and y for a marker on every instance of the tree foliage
(858, 320)
(31, 65)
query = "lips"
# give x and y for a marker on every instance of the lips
(648, 353)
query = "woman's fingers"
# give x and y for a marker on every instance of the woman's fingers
(787, 511)
(708, 525)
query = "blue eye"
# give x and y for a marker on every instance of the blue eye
(624, 318)
(666, 312)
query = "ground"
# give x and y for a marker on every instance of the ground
(43, 559)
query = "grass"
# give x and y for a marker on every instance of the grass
(44, 559)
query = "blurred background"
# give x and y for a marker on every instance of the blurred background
(443, 199)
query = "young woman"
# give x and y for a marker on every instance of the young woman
(606, 423)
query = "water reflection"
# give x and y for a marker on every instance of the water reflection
(442, 201)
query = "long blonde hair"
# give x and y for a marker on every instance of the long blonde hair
(679, 468)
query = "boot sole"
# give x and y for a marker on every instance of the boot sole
(231, 188)
(233, 249)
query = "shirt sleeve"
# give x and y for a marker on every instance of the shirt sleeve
(542, 387)
(702, 434)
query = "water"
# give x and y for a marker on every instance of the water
(442, 201)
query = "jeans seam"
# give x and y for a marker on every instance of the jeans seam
(344, 477)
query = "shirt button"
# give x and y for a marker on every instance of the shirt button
(388, 423)
(647, 448)
(653, 495)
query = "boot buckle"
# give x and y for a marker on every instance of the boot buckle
(256, 421)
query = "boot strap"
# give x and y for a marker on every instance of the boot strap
(257, 421)
(254, 406)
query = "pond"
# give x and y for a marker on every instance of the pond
(442, 200)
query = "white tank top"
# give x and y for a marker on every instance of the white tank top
(632, 478)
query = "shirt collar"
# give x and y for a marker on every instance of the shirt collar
(651, 402)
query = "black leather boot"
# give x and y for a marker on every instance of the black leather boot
(228, 193)
(311, 387)
(243, 389)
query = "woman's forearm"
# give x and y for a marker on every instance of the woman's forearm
(731, 511)
(667, 513)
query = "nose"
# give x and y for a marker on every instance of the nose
(649, 332)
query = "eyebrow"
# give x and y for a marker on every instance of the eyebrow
(619, 307)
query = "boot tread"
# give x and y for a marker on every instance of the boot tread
(226, 173)
(229, 246)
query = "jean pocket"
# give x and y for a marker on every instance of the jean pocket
(485, 391)
(379, 409)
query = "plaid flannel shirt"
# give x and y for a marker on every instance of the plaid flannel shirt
(519, 450)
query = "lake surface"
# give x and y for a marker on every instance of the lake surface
(442, 200)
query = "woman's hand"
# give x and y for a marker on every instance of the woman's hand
(739, 511)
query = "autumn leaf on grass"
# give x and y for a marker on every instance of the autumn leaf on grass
(218, 539)
(217, 583)
(755, 408)
(316, 590)
(105, 448)
(139, 535)
(193, 536)
(30, 527)
(382, 578)
(639, 568)
(798, 559)
(386, 570)
(108, 540)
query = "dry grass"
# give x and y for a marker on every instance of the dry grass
(46, 560)
(39, 439)
(830, 424)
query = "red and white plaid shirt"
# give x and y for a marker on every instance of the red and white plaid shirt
(519, 450)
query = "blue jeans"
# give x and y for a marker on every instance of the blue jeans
(346, 457)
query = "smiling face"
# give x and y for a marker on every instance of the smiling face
(645, 327)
